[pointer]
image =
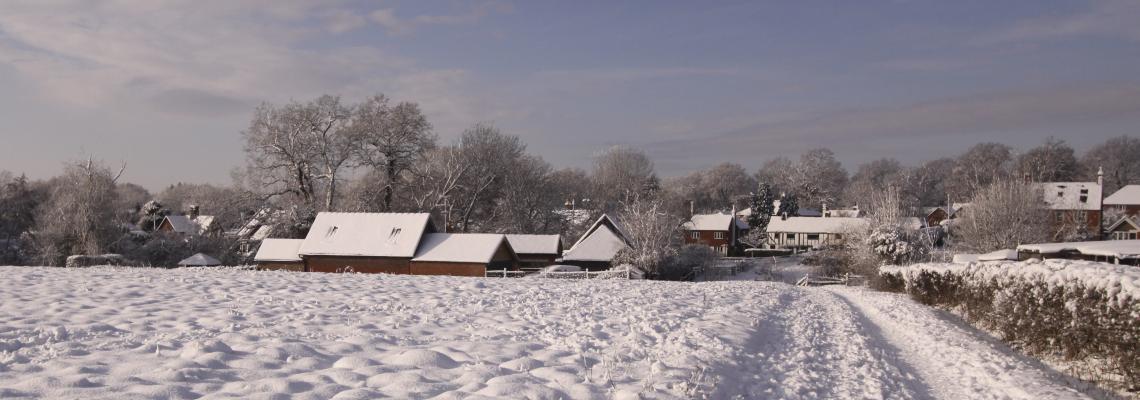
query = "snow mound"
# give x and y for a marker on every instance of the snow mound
(422, 359)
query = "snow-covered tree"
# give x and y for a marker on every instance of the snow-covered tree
(1052, 161)
(79, 217)
(621, 174)
(761, 208)
(1004, 215)
(390, 140)
(652, 233)
(977, 168)
(789, 205)
(1120, 159)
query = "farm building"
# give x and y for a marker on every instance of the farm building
(811, 232)
(393, 243)
(279, 255)
(1111, 251)
(1125, 201)
(721, 232)
(536, 251)
(597, 246)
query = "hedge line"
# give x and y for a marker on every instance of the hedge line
(1079, 311)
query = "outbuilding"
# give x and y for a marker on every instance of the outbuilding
(279, 255)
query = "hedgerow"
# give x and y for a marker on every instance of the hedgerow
(1084, 312)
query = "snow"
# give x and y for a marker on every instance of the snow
(1105, 248)
(279, 250)
(199, 260)
(459, 247)
(1128, 195)
(366, 234)
(713, 222)
(815, 225)
(999, 255)
(1067, 195)
(536, 244)
(225, 333)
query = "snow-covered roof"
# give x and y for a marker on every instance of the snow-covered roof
(279, 250)
(366, 234)
(713, 222)
(536, 244)
(607, 222)
(999, 255)
(1106, 248)
(1071, 195)
(262, 233)
(1128, 195)
(815, 224)
(460, 247)
(601, 244)
(575, 216)
(804, 212)
(199, 260)
(193, 226)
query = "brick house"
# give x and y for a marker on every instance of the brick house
(721, 232)
(1125, 201)
(1074, 207)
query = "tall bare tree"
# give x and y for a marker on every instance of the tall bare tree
(1120, 159)
(1005, 214)
(489, 156)
(1052, 161)
(390, 140)
(79, 217)
(621, 174)
(978, 167)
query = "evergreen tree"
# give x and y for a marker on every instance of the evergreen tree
(789, 206)
(761, 203)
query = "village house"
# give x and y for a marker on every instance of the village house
(191, 224)
(536, 251)
(597, 246)
(1074, 207)
(721, 232)
(1126, 252)
(394, 243)
(1125, 201)
(811, 232)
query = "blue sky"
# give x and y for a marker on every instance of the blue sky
(167, 87)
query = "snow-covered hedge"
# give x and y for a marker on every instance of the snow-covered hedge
(1077, 310)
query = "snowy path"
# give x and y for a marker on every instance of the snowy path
(157, 334)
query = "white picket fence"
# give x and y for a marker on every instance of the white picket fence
(622, 274)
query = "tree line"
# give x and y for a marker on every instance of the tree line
(384, 156)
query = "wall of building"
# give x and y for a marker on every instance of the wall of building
(446, 268)
(536, 261)
(368, 265)
(813, 240)
(281, 266)
(723, 245)
(1072, 218)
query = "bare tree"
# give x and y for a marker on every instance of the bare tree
(489, 156)
(819, 178)
(652, 233)
(779, 173)
(299, 149)
(79, 217)
(872, 178)
(1003, 215)
(925, 185)
(978, 167)
(1120, 159)
(390, 140)
(1052, 161)
(621, 174)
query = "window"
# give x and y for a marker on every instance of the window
(1084, 198)
(332, 231)
(1060, 217)
(1082, 216)
(791, 236)
(718, 235)
(395, 234)
(838, 236)
(813, 236)
(695, 235)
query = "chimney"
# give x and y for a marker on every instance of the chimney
(1100, 176)
(193, 211)
(691, 206)
(825, 213)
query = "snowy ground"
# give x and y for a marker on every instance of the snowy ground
(142, 333)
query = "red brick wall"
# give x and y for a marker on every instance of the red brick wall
(368, 265)
(443, 268)
(707, 238)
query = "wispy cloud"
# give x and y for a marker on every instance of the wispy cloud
(1108, 18)
(394, 24)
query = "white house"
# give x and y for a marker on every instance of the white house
(811, 232)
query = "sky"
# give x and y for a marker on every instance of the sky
(168, 87)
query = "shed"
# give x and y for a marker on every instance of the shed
(199, 260)
(279, 255)
(598, 245)
(364, 242)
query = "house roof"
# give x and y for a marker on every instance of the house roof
(601, 244)
(815, 224)
(366, 234)
(607, 222)
(460, 247)
(806, 212)
(713, 222)
(279, 250)
(199, 260)
(1128, 195)
(536, 244)
(1122, 221)
(1106, 248)
(1071, 195)
(194, 226)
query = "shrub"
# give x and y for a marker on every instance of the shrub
(1080, 311)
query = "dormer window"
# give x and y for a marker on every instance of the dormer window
(1084, 198)
(395, 234)
(332, 231)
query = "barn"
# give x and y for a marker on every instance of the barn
(364, 242)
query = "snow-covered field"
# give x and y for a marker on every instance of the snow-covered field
(222, 333)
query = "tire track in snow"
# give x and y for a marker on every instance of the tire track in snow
(956, 360)
(817, 347)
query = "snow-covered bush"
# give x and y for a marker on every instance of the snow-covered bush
(1080, 311)
(688, 260)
